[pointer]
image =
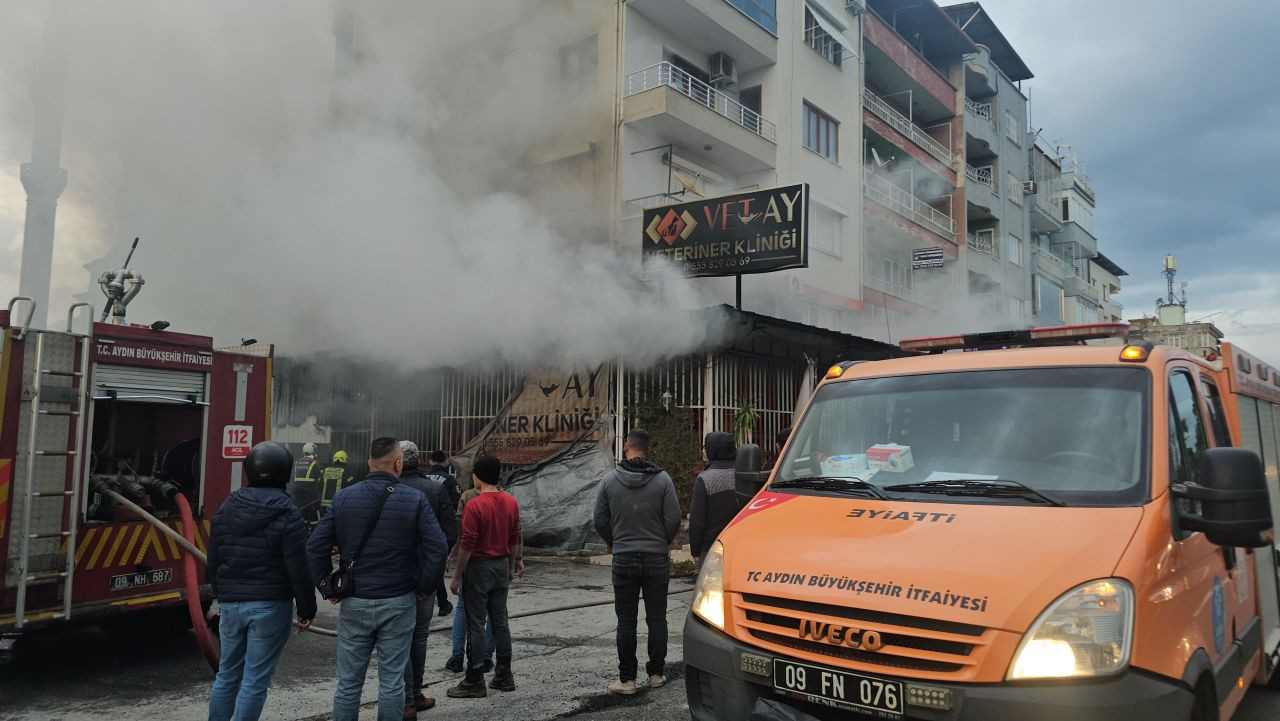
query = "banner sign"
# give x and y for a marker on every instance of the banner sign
(553, 410)
(926, 258)
(129, 352)
(756, 232)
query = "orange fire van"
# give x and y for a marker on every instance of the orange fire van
(1026, 527)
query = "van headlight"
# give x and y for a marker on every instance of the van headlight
(1088, 631)
(708, 597)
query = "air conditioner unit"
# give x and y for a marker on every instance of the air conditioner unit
(724, 71)
(1028, 187)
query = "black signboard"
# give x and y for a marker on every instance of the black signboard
(756, 232)
(926, 258)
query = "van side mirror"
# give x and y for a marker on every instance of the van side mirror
(748, 479)
(1235, 509)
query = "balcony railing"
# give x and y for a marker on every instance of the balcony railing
(1116, 307)
(899, 291)
(899, 122)
(983, 243)
(985, 175)
(981, 110)
(682, 82)
(905, 203)
(1060, 266)
(637, 206)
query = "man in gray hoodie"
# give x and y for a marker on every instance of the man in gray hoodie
(638, 516)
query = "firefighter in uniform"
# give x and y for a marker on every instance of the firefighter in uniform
(305, 489)
(334, 478)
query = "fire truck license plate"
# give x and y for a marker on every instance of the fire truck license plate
(839, 689)
(145, 578)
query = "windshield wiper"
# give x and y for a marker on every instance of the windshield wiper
(830, 483)
(969, 487)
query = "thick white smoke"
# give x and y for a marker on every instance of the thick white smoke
(385, 209)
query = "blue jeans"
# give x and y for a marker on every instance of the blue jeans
(253, 635)
(363, 624)
(459, 638)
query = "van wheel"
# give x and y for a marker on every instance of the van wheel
(1205, 706)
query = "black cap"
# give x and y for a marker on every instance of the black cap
(269, 464)
(438, 457)
(488, 469)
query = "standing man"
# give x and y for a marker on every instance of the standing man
(490, 554)
(439, 468)
(638, 516)
(334, 478)
(438, 499)
(715, 501)
(457, 658)
(305, 489)
(258, 571)
(404, 555)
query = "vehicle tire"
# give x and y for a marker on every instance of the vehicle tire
(1205, 705)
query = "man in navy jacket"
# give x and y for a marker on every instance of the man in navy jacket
(404, 556)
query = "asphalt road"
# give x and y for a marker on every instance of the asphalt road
(563, 664)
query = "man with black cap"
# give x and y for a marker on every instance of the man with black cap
(715, 501)
(438, 500)
(257, 568)
(490, 554)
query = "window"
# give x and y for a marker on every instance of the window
(1014, 184)
(1048, 298)
(1187, 440)
(826, 229)
(821, 133)
(1017, 310)
(763, 12)
(1012, 128)
(823, 42)
(578, 63)
(1217, 417)
(1016, 251)
(1066, 213)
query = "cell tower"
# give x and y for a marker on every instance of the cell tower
(1171, 309)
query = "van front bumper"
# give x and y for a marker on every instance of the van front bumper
(719, 690)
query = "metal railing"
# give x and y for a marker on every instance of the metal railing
(682, 82)
(898, 291)
(981, 110)
(1062, 267)
(985, 175)
(899, 122)
(1115, 306)
(637, 206)
(983, 243)
(905, 203)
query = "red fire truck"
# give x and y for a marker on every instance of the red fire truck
(139, 410)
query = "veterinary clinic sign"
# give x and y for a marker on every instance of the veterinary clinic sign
(553, 411)
(756, 232)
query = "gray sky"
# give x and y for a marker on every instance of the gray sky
(1174, 109)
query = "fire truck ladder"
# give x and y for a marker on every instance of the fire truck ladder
(46, 483)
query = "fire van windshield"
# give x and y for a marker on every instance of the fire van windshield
(1077, 436)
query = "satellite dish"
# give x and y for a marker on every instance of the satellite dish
(875, 157)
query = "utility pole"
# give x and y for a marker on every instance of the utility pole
(43, 178)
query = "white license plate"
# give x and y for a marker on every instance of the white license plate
(839, 689)
(142, 578)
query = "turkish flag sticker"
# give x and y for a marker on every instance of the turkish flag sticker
(761, 502)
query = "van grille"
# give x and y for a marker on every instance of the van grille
(911, 643)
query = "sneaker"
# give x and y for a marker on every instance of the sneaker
(424, 703)
(454, 664)
(468, 690)
(622, 688)
(657, 681)
(446, 608)
(503, 680)
(488, 666)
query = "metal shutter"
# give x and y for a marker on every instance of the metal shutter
(150, 385)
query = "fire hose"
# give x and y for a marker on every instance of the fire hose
(187, 541)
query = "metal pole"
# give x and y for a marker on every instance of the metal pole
(737, 282)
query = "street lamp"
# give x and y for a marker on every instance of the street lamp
(666, 401)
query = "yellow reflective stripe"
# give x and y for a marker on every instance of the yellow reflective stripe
(150, 540)
(84, 543)
(173, 545)
(102, 543)
(111, 555)
(133, 541)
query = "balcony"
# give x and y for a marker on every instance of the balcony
(980, 77)
(982, 124)
(672, 104)
(1074, 285)
(900, 292)
(983, 188)
(1044, 210)
(900, 123)
(984, 243)
(1051, 264)
(1081, 242)
(715, 25)
(905, 203)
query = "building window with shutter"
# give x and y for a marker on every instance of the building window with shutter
(821, 133)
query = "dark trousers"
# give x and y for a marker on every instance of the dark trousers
(484, 593)
(636, 575)
(442, 594)
(416, 668)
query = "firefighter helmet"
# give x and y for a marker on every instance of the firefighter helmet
(308, 449)
(269, 464)
(339, 456)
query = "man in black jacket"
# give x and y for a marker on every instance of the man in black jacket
(404, 556)
(258, 571)
(715, 501)
(438, 467)
(438, 499)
